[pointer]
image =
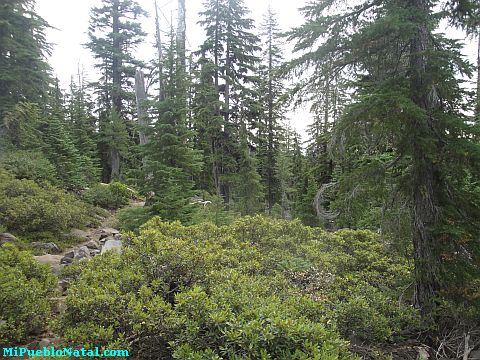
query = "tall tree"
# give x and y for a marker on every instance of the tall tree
(24, 72)
(170, 162)
(231, 46)
(114, 32)
(272, 96)
(408, 96)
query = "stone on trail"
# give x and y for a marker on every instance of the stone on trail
(50, 248)
(115, 245)
(79, 234)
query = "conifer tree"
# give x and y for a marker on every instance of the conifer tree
(272, 98)
(24, 72)
(410, 99)
(170, 162)
(230, 46)
(114, 32)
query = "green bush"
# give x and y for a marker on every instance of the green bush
(27, 208)
(29, 165)
(109, 196)
(131, 218)
(196, 292)
(25, 286)
(257, 289)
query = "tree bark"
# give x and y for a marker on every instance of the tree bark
(477, 108)
(141, 97)
(161, 90)
(424, 181)
(116, 85)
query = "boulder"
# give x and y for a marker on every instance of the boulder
(112, 245)
(82, 253)
(92, 244)
(7, 238)
(50, 248)
(68, 258)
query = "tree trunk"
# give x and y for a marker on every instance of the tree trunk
(270, 154)
(181, 34)
(161, 90)
(425, 196)
(477, 108)
(141, 97)
(116, 59)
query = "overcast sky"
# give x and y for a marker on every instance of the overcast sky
(70, 20)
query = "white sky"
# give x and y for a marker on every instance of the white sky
(70, 19)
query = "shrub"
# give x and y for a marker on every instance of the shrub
(25, 286)
(131, 218)
(30, 165)
(108, 196)
(26, 207)
(196, 292)
(257, 289)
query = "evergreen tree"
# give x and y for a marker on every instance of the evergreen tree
(83, 129)
(24, 72)
(114, 32)
(409, 97)
(170, 161)
(272, 96)
(230, 46)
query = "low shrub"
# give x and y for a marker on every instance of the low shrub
(29, 165)
(28, 208)
(131, 218)
(257, 289)
(109, 196)
(25, 286)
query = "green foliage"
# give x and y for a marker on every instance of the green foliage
(27, 208)
(29, 165)
(259, 288)
(108, 196)
(131, 218)
(213, 211)
(25, 286)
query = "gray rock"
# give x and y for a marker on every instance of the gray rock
(44, 343)
(50, 247)
(82, 253)
(110, 231)
(107, 238)
(94, 252)
(92, 244)
(118, 236)
(112, 245)
(7, 238)
(70, 254)
(66, 260)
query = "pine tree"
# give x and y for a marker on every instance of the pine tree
(230, 46)
(272, 97)
(24, 72)
(114, 32)
(82, 126)
(170, 162)
(409, 97)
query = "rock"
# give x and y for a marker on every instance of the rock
(95, 235)
(92, 244)
(68, 258)
(49, 259)
(94, 252)
(108, 238)
(82, 253)
(7, 238)
(64, 284)
(44, 343)
(107, 232)
(117, 236)
(112, 245)
(80, 234)
(50, 248)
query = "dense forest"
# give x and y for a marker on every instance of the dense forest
(230, 235)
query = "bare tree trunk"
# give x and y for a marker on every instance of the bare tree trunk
(477, 108)
(425, 196)
(181, 33)
(116, 85)
(141, 97)
(161, 89)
